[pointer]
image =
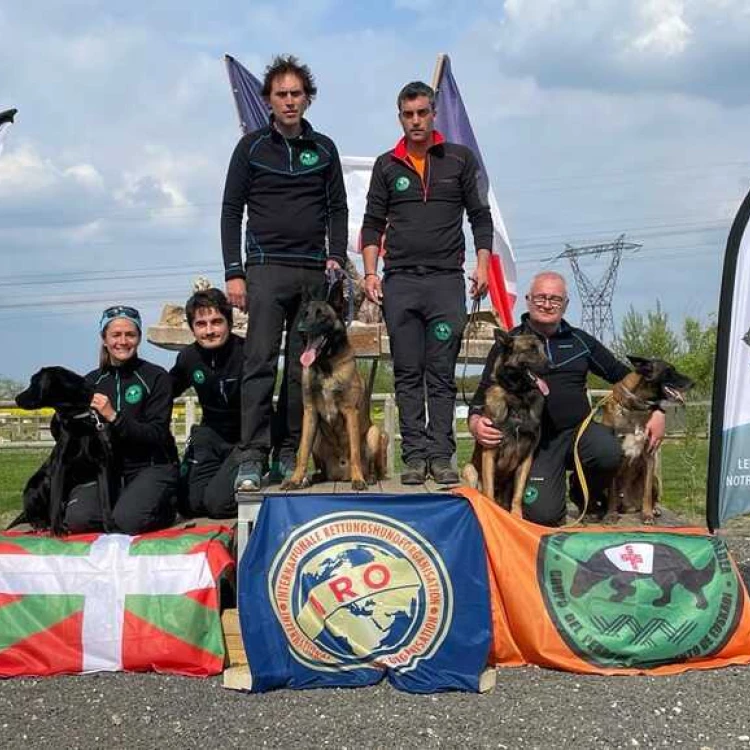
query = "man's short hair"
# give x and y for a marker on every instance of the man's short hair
(413, 90)
(208, 299)
(549, 275)
(283, 64)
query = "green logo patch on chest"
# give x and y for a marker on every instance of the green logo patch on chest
(309, 158)
(402, 183)
(199, 377)
(134, 393)
(639, 599)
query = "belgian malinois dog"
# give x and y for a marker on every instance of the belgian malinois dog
(653, 383)
(336, 426)
(514, 403)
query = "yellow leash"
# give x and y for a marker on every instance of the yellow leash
(577, 459)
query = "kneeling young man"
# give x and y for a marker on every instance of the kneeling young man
(213, 366)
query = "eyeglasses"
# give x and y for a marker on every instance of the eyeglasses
(551, 300)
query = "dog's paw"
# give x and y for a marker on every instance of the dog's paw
(295, 483)
(611, 519)
(647, 519)
(358, 485)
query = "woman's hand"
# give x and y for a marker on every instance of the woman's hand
(101, 403)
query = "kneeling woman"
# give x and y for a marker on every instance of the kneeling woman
(135, 397)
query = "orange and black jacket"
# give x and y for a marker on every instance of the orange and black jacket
(293, 190)
(423, 218)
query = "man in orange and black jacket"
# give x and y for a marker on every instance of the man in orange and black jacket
(418, 194)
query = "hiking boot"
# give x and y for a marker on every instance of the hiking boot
(442, 471)
(414, 472)
(280, 470)
(248, 477)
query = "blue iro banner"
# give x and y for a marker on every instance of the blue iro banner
(342, 590)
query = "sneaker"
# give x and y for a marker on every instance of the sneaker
(443, 472)
(280, 470)
(248, 477)
(414, 472)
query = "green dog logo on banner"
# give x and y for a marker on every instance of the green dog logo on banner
(639, 600)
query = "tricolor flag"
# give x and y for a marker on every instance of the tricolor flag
(729, 453)
(110, 602)
(6, 120)
(453, 122)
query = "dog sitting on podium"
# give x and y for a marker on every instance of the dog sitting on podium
(336, 427)
(82, 452)
(652, 384)
(514, 402)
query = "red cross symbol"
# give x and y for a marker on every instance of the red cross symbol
(631, 557)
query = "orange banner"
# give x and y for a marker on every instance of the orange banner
(606, 600)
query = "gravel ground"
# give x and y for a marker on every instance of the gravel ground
(529, 708)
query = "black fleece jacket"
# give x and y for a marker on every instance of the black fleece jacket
(423, 218)
(572, 354)
(216, 375)
(141, 394)
(294, 193)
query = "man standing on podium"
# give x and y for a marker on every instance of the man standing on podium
(418, 194)
(288, 177)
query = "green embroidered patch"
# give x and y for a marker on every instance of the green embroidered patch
(442, 331)
(309, 158)
(134, 394)
(402, 183)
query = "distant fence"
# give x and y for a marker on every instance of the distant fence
(25, 429)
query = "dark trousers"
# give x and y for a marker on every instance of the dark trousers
(145, 502)
(274, 300)
(545, 498)
(209, 468)
(425, 314)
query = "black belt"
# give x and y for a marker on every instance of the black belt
(422, 270)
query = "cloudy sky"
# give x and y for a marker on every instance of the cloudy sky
(595, 117)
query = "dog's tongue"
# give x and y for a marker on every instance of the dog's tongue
(540, 384)
(311, 352)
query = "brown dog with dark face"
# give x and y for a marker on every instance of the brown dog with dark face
(336, 426)
(652, 384)
(514, 403)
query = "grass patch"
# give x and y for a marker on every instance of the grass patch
(684, 470)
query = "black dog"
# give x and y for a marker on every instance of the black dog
(82, 453)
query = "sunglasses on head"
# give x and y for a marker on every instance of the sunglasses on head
(120, 311)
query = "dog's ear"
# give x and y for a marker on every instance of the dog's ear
(642, 365)
(503, 338)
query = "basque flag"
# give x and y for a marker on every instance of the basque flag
(343, 590)
(453, 122)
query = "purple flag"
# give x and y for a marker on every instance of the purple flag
(251, 109)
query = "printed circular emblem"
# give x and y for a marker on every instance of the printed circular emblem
(134, 394)
(199, 377)
(309, 158)
(353, 590)
(640, 600)
(530, 495)
(402, 183)
(442, 331)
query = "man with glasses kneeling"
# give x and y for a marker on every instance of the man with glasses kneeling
(572, 354)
